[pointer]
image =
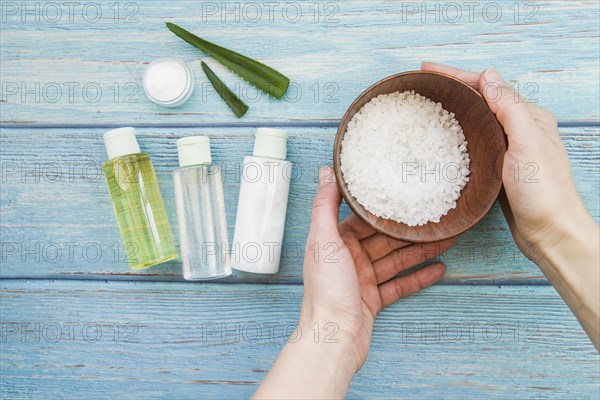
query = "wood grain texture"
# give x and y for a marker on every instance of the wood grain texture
(136, 339)
(57, 219)
(446, 342)
(88, 69)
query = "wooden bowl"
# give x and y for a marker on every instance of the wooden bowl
(486, 146)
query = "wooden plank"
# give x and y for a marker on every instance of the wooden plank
(57, 219)
(446, 342)
(79, 68)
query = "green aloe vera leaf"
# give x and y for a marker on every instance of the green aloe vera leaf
(258, 74)
(238, 107)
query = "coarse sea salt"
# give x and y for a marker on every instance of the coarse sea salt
(405, 158)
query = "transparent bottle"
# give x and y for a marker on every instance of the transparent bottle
(145, 231)
(200, 211)
(262, 205)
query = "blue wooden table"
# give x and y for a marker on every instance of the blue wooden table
(76, 322)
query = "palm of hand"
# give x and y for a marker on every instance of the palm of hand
(359, 301)
(348, 288)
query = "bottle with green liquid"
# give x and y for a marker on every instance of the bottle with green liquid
(145, 231)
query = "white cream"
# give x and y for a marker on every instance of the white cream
(168, 82)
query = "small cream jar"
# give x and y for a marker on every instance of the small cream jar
(168, 82)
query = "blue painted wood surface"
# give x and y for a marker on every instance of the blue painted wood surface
(549, 48)
(217, 341)
(517, 339)
(87, 245)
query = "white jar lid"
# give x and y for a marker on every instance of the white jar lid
(194, 150)
(270, 143)
(121, 142)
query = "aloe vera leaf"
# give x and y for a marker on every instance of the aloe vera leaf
(238, 107)
(258, 74)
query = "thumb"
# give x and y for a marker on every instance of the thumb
(326, 205)
(508, 105)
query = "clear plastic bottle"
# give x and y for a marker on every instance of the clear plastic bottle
(262, 205)
(200, 211)
(145, 231)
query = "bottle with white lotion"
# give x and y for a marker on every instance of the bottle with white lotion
(262, 205)
(200, 211)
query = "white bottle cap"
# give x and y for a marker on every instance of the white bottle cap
(271, 143)
(194, 150)
(121, 142)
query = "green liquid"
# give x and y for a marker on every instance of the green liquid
(145, 231)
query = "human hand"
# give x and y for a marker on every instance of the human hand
(546, 216)
(350, 272)
(349, 277)
(541, 201)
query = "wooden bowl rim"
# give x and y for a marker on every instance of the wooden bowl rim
(351, 200)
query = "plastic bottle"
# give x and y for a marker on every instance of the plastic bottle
(145, 230)
(262, 205)
(200, 211)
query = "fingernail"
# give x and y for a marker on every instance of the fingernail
(492, 75)
(326, 176)
(429, 64)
